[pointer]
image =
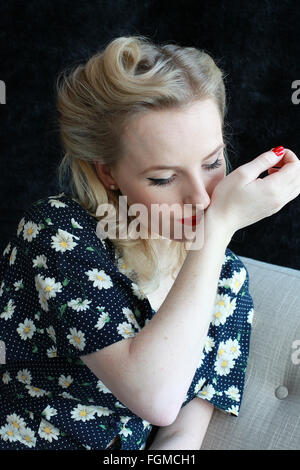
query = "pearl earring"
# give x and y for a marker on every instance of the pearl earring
(112, 186)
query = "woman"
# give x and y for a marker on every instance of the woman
(107, 337)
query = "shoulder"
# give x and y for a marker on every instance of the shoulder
(60, 226)
(60, 210)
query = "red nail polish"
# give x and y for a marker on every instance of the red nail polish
(279, 151)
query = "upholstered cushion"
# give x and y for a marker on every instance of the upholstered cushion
(270, 412)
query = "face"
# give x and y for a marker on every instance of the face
(190, 143)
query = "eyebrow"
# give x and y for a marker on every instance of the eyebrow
(161, 167)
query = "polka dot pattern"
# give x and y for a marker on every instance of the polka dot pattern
(63, 295)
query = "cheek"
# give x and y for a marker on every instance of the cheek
(135, 195)
(144, 197)
(217, 176)
(152, 217)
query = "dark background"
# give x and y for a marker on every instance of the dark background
(257, 43)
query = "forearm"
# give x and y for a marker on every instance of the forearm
(176, 441)
(166, 352)
(189, 428)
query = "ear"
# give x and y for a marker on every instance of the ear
(105, 176)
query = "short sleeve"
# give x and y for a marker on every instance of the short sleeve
(72, 299)
(220, 376)
(93, 307)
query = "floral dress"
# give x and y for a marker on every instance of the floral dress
(66, 293)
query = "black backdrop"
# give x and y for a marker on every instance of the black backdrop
(257, 44)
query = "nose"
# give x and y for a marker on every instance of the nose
(197, 195)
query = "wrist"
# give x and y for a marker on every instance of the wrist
(215, 227)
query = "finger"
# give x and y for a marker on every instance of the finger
(289, 162)
(279, 164)
(289, 157)
(260, 164)
(272, 170)
(288, 169)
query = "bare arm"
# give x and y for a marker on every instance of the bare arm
(188, 430)
(151, 372)
(167, 350)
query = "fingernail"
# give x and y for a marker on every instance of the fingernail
(279, 151)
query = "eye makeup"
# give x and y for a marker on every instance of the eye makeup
(167, 181)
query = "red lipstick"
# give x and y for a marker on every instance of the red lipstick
(194, 220)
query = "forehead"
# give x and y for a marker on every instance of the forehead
(168, 134)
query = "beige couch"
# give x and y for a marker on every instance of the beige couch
(270, 412)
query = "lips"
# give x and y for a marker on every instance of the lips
(194, 220)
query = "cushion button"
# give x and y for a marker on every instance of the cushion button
(281, 392)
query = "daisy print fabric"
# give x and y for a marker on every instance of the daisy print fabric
(220, 375)
(65, 293)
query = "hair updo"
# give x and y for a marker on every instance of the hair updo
(96, 101)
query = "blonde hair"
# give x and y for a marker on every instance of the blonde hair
(96, 101)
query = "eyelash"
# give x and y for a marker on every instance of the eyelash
(165, 182)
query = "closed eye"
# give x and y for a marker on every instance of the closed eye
(164, 182)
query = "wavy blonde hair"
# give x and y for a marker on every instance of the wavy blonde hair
(96, 101)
